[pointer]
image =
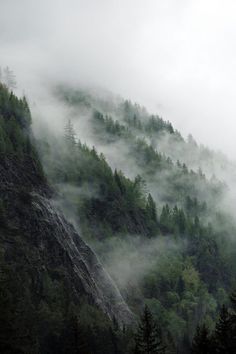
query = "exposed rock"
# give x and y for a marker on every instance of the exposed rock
(53, 243)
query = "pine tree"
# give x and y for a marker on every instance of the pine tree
(233, 318)
(202, 343)
(151, 213)
(151, 208)
(118, 179)
(165, 219)
(148, 337)
(70, 136)
(224, 333)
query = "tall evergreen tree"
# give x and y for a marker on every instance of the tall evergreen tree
(148, 338)
(118, 179)
(202, 343)
(151, 208)
(70, 135)
(224, 333)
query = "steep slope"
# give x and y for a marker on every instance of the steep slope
(137, 142)
(161, 135)
(52, 239)
(159, 227)
(39, 249)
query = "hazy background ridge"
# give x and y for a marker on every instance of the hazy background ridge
(175, 57)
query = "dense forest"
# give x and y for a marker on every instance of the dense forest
(159, 227)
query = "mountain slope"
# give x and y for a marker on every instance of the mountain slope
(42, 256)
(160, 228)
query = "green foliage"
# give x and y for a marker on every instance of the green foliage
(182, 182)
(38, 313)
(15, 120)
(156, 124)
(225, 336)
(17, 325)
(185, 281)
(113, 129)
(118, 204)
(109, 205)
(222, 339)
(148, 338)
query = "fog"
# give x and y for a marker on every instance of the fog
(175, 57)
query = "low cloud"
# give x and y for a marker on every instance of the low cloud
(176, 58)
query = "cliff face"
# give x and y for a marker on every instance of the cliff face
(34, 235)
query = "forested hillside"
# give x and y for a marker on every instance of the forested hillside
(160, 227)
(117, 177)
(55, 296)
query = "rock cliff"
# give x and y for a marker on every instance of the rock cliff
(34, 232)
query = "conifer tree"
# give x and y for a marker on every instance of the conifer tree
(151, 208)
(70, 136)
(118, 179)
(202, 343)
(224, 333)
(148, 337)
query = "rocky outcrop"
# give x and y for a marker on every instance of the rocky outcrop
(49, 243)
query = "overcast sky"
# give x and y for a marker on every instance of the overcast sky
(177, 57)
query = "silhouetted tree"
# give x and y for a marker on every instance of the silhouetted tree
(70, 136)
(202, 343)
(148, 338)
(224, 334)
(151, 208)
